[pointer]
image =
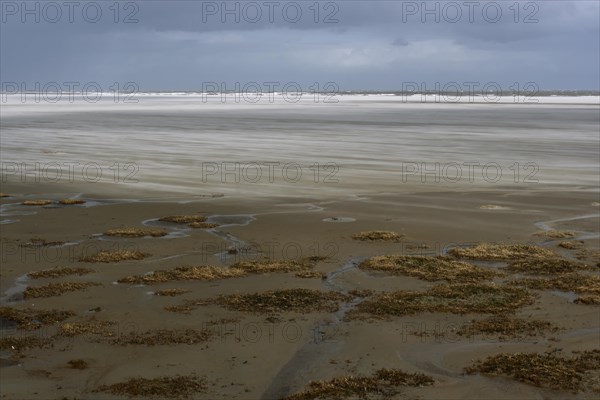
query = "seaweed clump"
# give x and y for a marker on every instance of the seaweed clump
(193, 221)
(36, 202)
(39, 242)
(591, 299)
(546, 266)
(56, 289)
(19, 344)
(160, 337)
(183, 219)
(310, 274)
(192, 273)
(164, 387)
(211, 273)
(261, 267)
(546, 370)
(114, 256)
(384, 382)
(493, 251)
(78, 364)
(59, 272)
(30, 319)
(564, 282)
(171, 292)
(507, 327)
(377, 236)
(429, 268)
(272, 301)
(136, 232)
(570, 245)
(298, 300)
(102, 328)
(71, 202)
(553, 234)
(459, 298)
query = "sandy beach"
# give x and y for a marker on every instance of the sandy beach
(120, 329)
(299, 200)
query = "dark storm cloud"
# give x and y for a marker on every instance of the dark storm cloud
(358, 44)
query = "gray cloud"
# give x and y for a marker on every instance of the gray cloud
(373, 45)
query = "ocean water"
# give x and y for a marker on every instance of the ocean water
(195, 144)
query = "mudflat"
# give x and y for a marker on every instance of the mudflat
(429, 294)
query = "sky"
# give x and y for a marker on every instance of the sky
(354, 45)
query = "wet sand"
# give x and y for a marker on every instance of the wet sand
(266, 356)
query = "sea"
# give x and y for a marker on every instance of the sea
(300, 144)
